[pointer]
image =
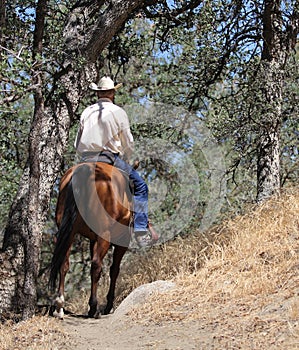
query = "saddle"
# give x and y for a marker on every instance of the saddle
(104, 157)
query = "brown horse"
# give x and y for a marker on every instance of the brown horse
(94, 201)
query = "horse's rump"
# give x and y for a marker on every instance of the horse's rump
(101, 192)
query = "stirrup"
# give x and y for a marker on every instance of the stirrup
(143, 239)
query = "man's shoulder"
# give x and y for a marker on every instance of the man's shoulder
(119, 110)
(114, 109)
(105, 107)
(92, 107)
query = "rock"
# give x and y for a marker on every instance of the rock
(141, 294)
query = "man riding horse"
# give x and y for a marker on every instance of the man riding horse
(104, 134)
(94, 200)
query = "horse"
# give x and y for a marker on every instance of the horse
(94, 201)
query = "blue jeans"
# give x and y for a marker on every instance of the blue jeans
(140, 195)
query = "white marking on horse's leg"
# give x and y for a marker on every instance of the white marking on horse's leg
(59, 313)
(59, 302)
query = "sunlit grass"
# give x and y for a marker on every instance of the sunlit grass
(243, 272)
(38, 333)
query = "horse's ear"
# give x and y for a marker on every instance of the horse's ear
(136, 164)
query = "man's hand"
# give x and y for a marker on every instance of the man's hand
(136, 164)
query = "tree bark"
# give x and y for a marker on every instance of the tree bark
(277, 45)
(2, 20)
(48, 141)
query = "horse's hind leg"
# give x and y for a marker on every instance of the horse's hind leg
(98, 251)
(59, 301)
(118, 254)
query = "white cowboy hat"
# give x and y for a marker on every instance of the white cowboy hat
(105, 83)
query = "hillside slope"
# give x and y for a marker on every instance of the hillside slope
(236, 287)
(248, 286)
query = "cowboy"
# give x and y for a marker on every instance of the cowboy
(105, 130)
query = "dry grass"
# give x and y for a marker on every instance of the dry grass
(38, 333)
(240, 281)
(257, 264)
(183, 255)
(250, 255)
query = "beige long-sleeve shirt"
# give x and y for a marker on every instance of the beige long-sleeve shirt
(104, 126)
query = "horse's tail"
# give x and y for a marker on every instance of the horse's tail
(64, 234)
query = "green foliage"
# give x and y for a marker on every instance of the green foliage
(16, 104)
(13, 152)
(207, 61)
(203, 59)
(17, 71)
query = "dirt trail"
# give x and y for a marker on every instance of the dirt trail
(117, 331)
(109, 334)
(236, 325)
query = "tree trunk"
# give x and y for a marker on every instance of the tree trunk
(48, 140)
(277, 45)
(2, 20)
(268, 163)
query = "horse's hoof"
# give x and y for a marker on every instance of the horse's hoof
(92, 312)
(59, 314)
(51, 310)
(107, 311)
(97, 315)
